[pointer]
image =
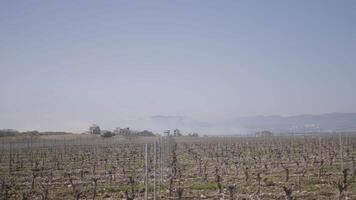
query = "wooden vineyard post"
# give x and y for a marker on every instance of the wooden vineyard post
(146, 172)
(160, 162)
(163, 156)
(154, 170)
(341, 152)
(10, 159)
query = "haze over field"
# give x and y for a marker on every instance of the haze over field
(194, 65)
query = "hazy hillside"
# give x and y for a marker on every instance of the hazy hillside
(300, 123)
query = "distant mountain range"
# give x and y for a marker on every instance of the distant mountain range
(330, 122)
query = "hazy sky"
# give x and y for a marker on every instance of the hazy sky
(67, 64)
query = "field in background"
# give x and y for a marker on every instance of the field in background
(92, 167)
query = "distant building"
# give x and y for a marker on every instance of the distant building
(264, 134)
(193, 135)
(176, 133)
(167, 132)
(94, 129)
(123, 131)
(128, 132)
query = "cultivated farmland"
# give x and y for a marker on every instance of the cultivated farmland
(92, 167)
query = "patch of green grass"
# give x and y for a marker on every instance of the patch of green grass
(116, 188)
(112, 189)
(328, 169)
(206, 186)
(245, 184)
(312, 188)
(312, 181)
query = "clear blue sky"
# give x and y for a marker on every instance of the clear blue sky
(67, 64)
